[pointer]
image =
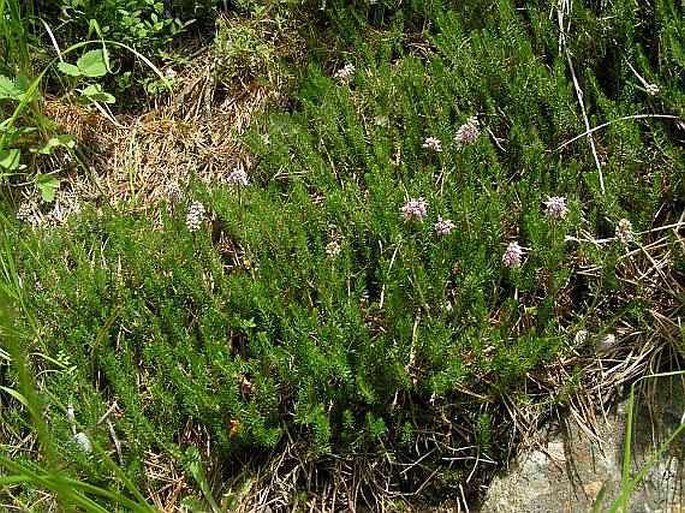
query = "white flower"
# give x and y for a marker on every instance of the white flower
(468, 132)
(28, 212)
(607, 342)
(443, 226)
(195, 216)
(238, 177)
(173, 192)
(333, 248)
(383, 121)
(71, 417)
(624, 231)
(433, 144)
(652, 89)
(345, 73)
(414, 210)
(83, 442)
(580, 338)
(513, 255)
(556, 207)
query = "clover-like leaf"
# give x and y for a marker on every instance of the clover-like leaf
(65, 140)
(10, 89)
(94, 92)
(93, 64)
(10, 159)
(48, 186)
(69, 69)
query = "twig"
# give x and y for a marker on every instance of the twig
(412, 349)
(604, 125)
(475, 466)
(412, 465)
(579, 95)
(392, 261)
(117, 443)
(107, 413)
(463, 498)
(496, 140)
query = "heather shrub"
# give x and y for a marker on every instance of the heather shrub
(415, 243)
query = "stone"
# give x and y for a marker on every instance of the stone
(568, 471)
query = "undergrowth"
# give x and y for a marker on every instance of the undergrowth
(420, 244)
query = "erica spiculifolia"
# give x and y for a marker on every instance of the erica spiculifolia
(333, 248)
(237, 177)
(513, 256)
(345, 73)
(624, 231)
(195, 216)
(433, 144)
(414, 210)
(443, 227)
(468, 132)
(555, 207)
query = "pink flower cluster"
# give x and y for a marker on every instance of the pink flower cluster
(624, 231)
(433, 144)
(414, 210)
(513, 256)
(195, 216)
(237, 177)
(443, 227)
(555, 207)
(345, 73)
(468, 132)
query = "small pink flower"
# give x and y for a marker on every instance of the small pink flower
(238, 177)
(443, 227)
(468, 132)
(414, 210)
(513, 256)
(624, 231)
(556, 207)
(345, 73)
(433, 144)
(333, 248)
(195, 216)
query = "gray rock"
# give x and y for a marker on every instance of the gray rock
(568, 471)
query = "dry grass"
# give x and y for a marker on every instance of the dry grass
(194, 131)
(168, 144)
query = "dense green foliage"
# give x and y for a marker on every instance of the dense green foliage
(307, 304)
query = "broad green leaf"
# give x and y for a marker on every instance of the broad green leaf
(69, 69)
(10, 159)
(93, 63)
(61, 140)
(23, 82)
(18, 396)
(47, 185)
(10, 89)
(94, 26)
(19, 478)
(94, 92)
